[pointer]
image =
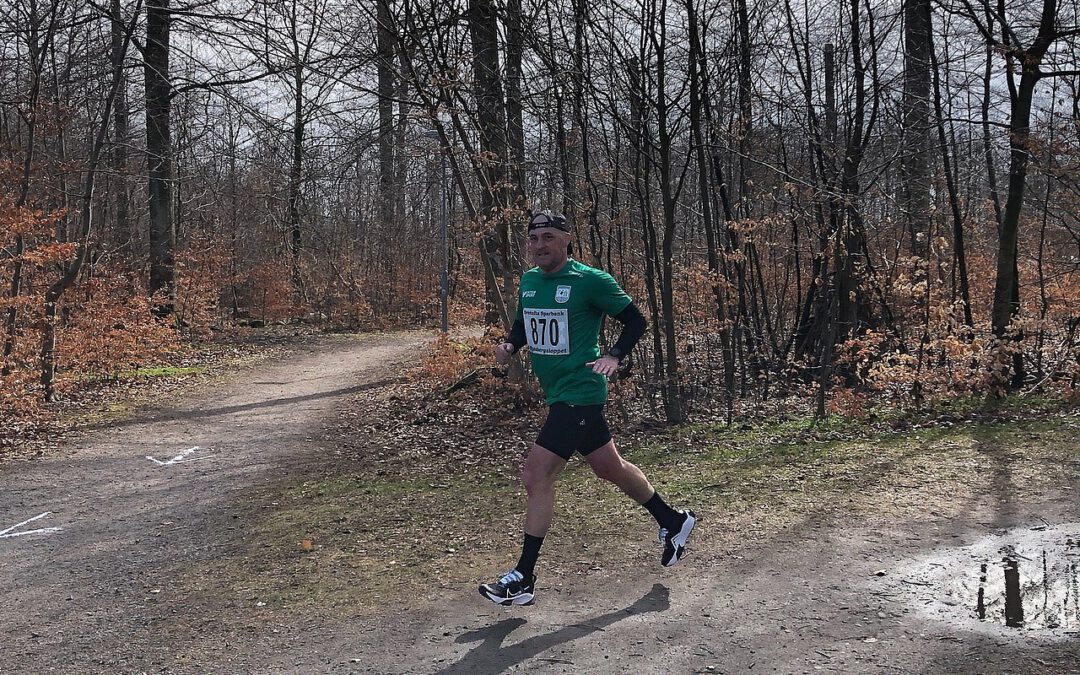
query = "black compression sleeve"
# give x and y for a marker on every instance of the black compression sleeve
(517, 335)
(633, 328)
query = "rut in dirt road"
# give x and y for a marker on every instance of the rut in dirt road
(90, 538)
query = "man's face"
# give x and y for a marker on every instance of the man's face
(547, 246)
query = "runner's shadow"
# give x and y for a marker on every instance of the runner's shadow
(490, 657)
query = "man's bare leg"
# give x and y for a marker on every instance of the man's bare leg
(607, 463)
(675, 525)
(542, 468)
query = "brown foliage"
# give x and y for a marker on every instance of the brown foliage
(203, 279)
(104, 323)
(111, 327)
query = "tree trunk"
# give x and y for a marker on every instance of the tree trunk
(853, 239)
(843, 302)
(698, 96)
(514, 124)
(491, 123)
(1007, 285)
(745, 113)
(640, 138)
(590, 196)
(159, 154)
(984, 109)
(118, 165)
(915, 164)
(387, 170)
(959, 248)
(670, 187)
(296, 179)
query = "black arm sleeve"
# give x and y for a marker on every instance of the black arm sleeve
(517, 335)
(633, 328)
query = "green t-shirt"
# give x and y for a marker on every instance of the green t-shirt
(562, 314)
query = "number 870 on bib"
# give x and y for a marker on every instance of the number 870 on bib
(547, 331)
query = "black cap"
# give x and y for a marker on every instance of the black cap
(548, 218)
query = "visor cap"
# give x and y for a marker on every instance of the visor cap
(547, 218)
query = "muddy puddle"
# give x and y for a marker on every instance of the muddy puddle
(1025, 580)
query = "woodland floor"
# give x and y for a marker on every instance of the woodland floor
(316, 511)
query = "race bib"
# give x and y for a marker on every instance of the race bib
(547, 331)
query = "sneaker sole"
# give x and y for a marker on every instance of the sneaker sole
(521, 599)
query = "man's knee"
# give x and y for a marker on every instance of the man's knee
(535, 481)
(540, 471)
(611, 469)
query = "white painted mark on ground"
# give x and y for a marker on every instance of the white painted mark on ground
(184, 456)
(10, 532)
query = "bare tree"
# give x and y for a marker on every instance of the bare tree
(916, 126)
(86, 221)
(159, 153)
(385, 62)
(1028, 59)
(40, 28)
(496, 199)
(118, 164)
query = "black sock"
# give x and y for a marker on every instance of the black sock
(664, 514)
(530, 551)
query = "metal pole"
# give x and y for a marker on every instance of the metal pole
(445, 271)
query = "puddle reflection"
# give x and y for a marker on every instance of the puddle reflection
(1032, 592)
(1024, 579)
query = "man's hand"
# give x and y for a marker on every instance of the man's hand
(605, 365)
(503, 352)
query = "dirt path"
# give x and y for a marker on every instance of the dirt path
(100, 595)
(804, 601)
(92, 596)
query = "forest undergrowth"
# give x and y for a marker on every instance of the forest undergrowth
(458, 382)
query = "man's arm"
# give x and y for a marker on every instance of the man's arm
(633, 328)
(514, 342)
(634, 324)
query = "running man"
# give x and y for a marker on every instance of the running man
(559, 313)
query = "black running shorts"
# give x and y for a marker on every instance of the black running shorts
(574, 428)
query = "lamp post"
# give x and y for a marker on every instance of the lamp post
(444, 238)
